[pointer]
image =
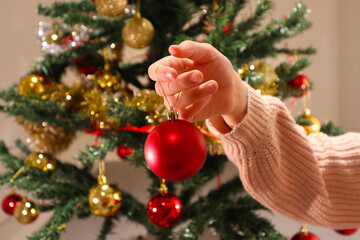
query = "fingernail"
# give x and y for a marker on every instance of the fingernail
(173, 50)
(210, 86)
(195, 78)
(169, 76)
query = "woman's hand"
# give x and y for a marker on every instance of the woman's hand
(208, 84)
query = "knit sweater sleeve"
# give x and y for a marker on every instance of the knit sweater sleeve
(313, 179)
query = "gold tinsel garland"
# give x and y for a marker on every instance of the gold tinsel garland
(267, 72)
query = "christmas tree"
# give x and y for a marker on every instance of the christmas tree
(115, 104)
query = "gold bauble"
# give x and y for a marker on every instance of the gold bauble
(108, 80)
(152, 103)
(26, 211)
(32, 86)
(49, 138)
(110, 8)
(138, 32)
(104, 199)
(41, 161)
(314, 126)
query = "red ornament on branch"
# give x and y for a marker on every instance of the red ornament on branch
(175, 150)
(164, 210)
(300, 83)
(346, 231)
(123, 152)
(10, 202)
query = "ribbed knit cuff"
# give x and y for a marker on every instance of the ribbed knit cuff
(251, 131)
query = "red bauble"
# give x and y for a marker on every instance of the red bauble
(346, 231)
(308, 236)
(10, 202)
(87, 69)
(123, 152)
(164, 210)
(175, 150)
(302, 83)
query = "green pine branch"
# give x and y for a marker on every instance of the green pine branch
(37, 110)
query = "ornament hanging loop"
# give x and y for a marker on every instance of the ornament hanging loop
(101, 177)
(137, 13)
(17, 174)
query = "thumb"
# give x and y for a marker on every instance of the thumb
(200, 53)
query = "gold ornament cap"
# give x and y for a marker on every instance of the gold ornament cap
(26, 211)
(172, 114)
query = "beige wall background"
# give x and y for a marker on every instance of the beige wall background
(335, 35)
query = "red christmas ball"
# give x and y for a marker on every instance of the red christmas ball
(308, 236)
(302, 83)
(346, 231)
(164, 210)
(123, 152)
(87, 69)
(10, 202)
(175, 150)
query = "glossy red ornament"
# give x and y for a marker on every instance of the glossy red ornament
(175, 150)
(308, 236)
(10, 202)
(302, 83)
(123, 152)
(86, 69)
(346, 231)
(164, 210)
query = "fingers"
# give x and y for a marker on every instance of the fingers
(159, 72)
(168, 68)
(195, 94)
(190, 112)
(192, 101)
(183, 82)
(200, 53)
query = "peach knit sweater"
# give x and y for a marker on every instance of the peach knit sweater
(312, 179)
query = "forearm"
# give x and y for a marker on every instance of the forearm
(285, 170)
